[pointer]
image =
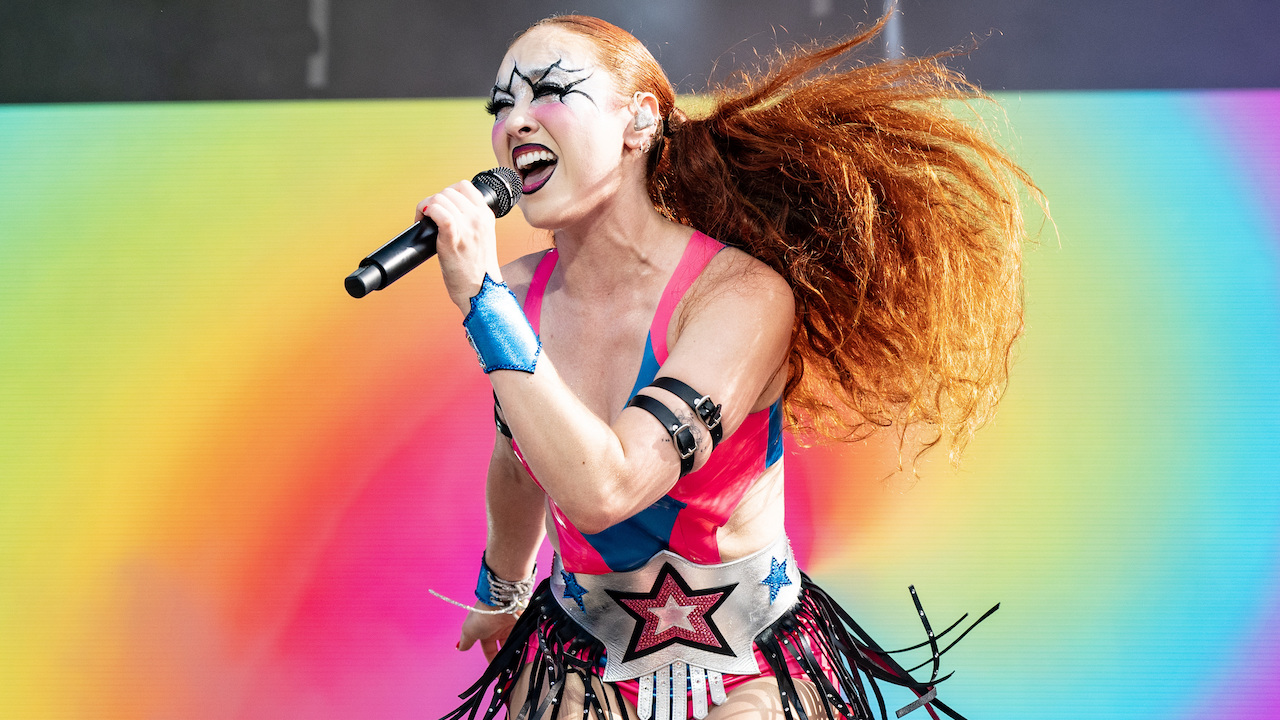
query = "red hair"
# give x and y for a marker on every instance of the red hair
(897, 226)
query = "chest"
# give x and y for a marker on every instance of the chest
(599, 349)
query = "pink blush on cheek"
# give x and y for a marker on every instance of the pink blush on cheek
(494, 135)
(552, 111)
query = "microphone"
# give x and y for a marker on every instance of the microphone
(501, 190)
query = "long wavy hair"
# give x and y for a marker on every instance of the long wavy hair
(897, 225)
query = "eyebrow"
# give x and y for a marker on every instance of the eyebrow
(537, 75)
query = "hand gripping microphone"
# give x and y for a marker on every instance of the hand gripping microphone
(501, 190)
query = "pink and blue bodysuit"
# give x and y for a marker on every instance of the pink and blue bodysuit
(651, 609)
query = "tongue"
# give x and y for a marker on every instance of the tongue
(537, 176)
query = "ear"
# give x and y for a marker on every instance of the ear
(645, 124)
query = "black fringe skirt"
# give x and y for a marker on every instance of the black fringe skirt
(555, 647)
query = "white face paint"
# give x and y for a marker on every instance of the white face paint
(559, 122)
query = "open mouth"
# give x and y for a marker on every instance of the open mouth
(536, 164)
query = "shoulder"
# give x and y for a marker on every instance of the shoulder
(734, 333)
(737, 279)
(518, 273)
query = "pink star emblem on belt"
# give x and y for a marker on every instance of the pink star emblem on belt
(673, 613)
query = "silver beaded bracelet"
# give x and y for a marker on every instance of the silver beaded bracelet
(506, 596)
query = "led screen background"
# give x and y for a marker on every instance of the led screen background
(226, 487)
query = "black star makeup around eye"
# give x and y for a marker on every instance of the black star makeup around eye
(553, 79)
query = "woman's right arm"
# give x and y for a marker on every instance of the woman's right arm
(516, 509)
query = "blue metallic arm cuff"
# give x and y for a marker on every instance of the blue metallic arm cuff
(498, 330)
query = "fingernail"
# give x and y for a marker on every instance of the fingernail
(457, 645)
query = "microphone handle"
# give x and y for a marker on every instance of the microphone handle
(392, 261)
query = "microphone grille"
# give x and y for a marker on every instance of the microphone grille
(505, 184)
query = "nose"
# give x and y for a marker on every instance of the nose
(520, 120)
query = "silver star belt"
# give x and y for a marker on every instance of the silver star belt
(677, 625)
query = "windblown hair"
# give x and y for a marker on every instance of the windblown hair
(896, 224)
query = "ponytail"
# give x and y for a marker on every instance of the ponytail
(896, 225)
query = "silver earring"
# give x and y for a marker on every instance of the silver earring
(644, 118)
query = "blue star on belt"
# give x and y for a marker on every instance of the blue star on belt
(573, 590)
(776, 579)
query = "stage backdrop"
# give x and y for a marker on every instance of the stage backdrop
(226, 487)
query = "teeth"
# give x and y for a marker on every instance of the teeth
(533, 156)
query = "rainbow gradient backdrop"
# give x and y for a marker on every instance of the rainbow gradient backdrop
(226, 487)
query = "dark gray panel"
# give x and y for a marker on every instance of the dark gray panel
(94, 50)
(153, 50)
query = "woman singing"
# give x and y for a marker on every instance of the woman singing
(827, 249)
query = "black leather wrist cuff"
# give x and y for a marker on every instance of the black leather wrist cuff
(497, 418)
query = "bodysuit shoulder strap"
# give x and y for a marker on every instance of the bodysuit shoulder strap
(697, 254)
(538, 286)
